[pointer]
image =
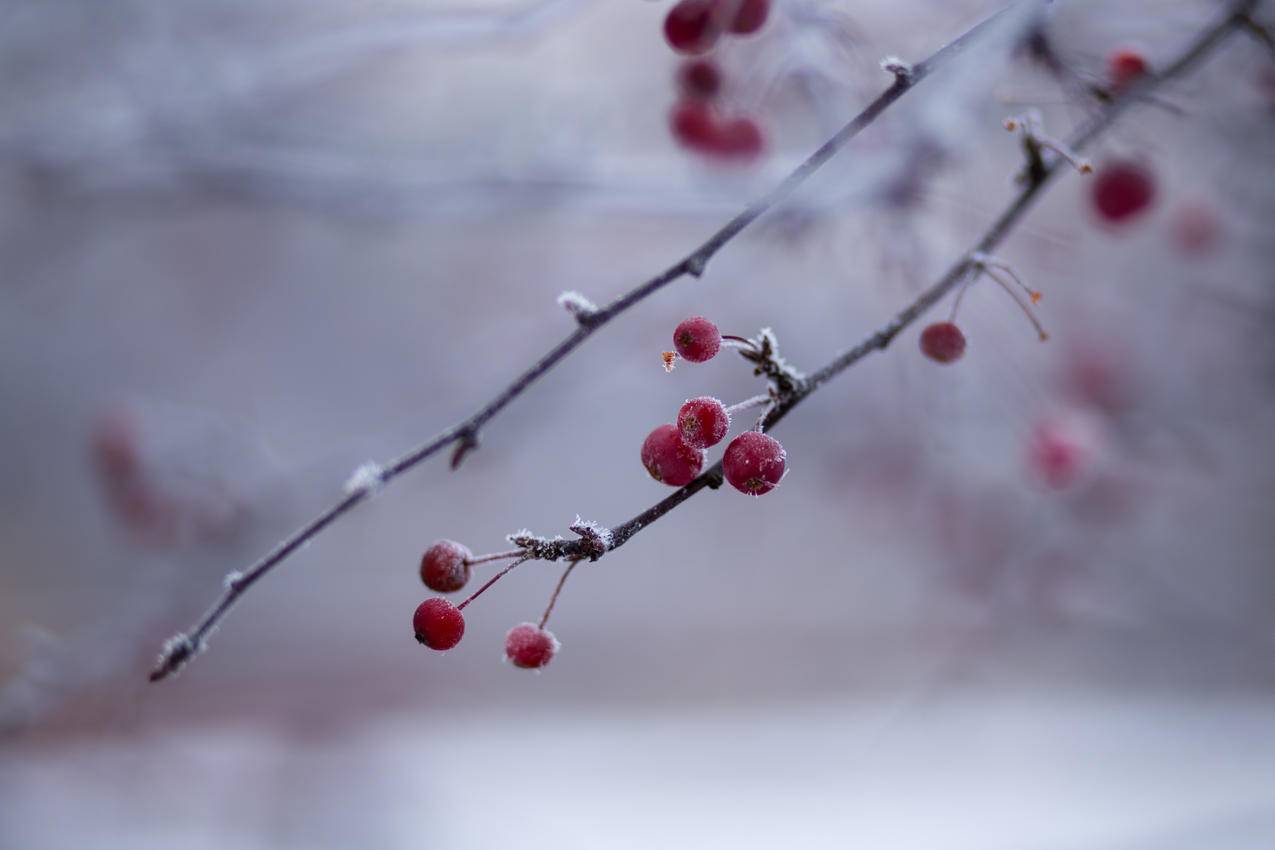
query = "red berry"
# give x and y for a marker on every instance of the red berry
(669, 460)
(445, 567)
(1124, 67)
(438, 623)
(738, 138)
(1061, 449)
(750, 16)
(699, 78)
(697, 339)
(703, 422)
(692, 26)
(943, 342)
(1122, 190)
(693, 125)
(754, 463)
(530, 647)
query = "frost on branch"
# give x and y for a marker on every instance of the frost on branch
(899, 68)
(535, 546)
(595, 539)
(177, 650)
(368, 478)
(785, 380)
(581, 308)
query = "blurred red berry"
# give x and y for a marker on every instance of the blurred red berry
(530, 647)
(1125, 67)
(1195, 229)
(750, 16)
(692, 26)
(697, 339)
(943, 342)
(438, 623)
(740, 138)
(1060, 449)
(445, 567)
(703, 422)
(669, 460)
(1122, 190)
(693, 124)
(754, 463)
(699, 78)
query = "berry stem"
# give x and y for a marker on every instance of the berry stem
(994, 273)
(495, 556)
(497, 577)
(755, 401)
(739, 341)
(562, 580)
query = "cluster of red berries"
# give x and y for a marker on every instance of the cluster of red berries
(694, 27)
(439, 624)
(674, 454)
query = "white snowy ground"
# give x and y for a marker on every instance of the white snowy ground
(982, 773)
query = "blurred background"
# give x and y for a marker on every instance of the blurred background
(1024, 600)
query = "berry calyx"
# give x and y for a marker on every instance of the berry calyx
(438, 623)
(697, 339)
(530, 647)
(703, 422)
(1121, 190)
(750, 16)
(754, 463)
(668, 459)
(1125, 67)
(943, 342)
(445, 566)
(693, 26)
(699, 78)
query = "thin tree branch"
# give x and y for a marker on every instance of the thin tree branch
(959, 271)
(181, 648)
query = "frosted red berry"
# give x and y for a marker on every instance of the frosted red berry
(1125, 67)
(943, 342)
(697, 339)
(445, 566)
(668, 459)
(699, 78)
(750, 17)
(754, 463)
(1122, 190)
(530, 647)
(693, 26)
(438, 623)
(703, 422)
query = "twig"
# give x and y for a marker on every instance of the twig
(956, 274)
(465, 433)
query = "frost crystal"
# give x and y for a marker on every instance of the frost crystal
(896, 66)
(577, 305)
(535, 546)
(177, 650)
(595, 539)
(366, 479)
(232, 578)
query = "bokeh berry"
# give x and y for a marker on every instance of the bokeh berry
(703, 422)
(750, 16)
(754, 463)
(943, 342)
(438, 623)
(739, 138)
(668, 459)
(530, 647)
(693, 26)
(445, 566)
(1061, 449)
(697, 339)
(1122, 190)
(699, 78)
(693, 124)
(1125, 67)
